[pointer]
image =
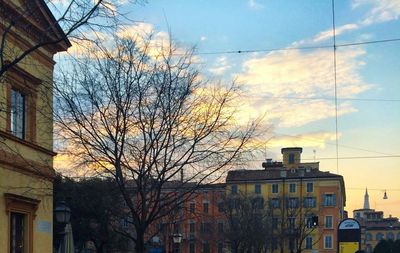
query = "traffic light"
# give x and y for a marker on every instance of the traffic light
(314, 221)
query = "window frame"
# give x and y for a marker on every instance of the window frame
(257, 188)
(206, 207)
(310, 185)
(275, 188)
(18, 113)
(326, 246)
(309, 242)
(292, 187)
(26, 84)
(326, 223)
(234, 189)
(27, 207)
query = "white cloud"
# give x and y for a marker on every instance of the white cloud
(381, 11)
(203, 38)
(338, 31)
(253, 4)
(220, 66)
(301, 74)
(315, 139)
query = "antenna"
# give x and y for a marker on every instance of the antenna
(315, 152)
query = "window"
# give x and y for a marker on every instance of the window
(379, 236)
(275, 223)
(234, 189)
(275, 244)
(206, 247)
(205, 207)
(291, 222)
(309, 242)
(257, 189)
(328, 221)
(258, 203)
(310, 187)
(17, 116)
(192, 227)
(292, 187)
(291, 158)
(220, 247)
(398, 236)
(21, 212)
(390, 236)
(220, 227)
(177, 228)
(328, 242)
(368, 237)
(310, 202)
(17, 233)
(291, 244)
(329, 199)
(275, 203)
(311, 221)
(206, 227)
(124, 223)
(275, 188)
(192, 207)
(221, 207)
(293, 202)
(192, 247)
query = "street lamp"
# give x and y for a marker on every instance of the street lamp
(62, 214)
(177, 240)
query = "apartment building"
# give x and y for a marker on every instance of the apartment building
(374, 226)
(307, 204)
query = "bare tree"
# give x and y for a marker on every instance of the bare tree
(73, 18)
(294, 221)
(249, 223)
(147, 119)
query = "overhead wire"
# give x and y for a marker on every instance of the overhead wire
(335, 84)
(266, 50)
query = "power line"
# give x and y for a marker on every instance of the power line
(371, 189)
(353, 157)
(247, 51)
(330, 98)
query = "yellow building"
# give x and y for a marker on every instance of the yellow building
(297, 193)
(374, 226)
(26, 126)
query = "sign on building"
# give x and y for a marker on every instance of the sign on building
(349, 236)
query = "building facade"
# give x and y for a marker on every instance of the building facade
(307, 204)
(374, 226)
(26, 127)
(200, 223)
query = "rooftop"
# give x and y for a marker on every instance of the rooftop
(274, 174)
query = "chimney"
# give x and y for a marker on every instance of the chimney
(291, 156)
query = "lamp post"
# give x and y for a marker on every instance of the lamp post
(177, 240)
(62, 214)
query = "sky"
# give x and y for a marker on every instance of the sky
(294, 87)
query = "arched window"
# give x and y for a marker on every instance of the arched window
(368, 237)
(390, 236)
(379, 236)
(398, 236)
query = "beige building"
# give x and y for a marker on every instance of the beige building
(296, 192)
(374, 226)
(26, 126)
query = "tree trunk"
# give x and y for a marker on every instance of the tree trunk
(140, 247)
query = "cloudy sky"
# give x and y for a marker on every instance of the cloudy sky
(295, 87)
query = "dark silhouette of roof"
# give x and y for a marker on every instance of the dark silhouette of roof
(274, 174)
